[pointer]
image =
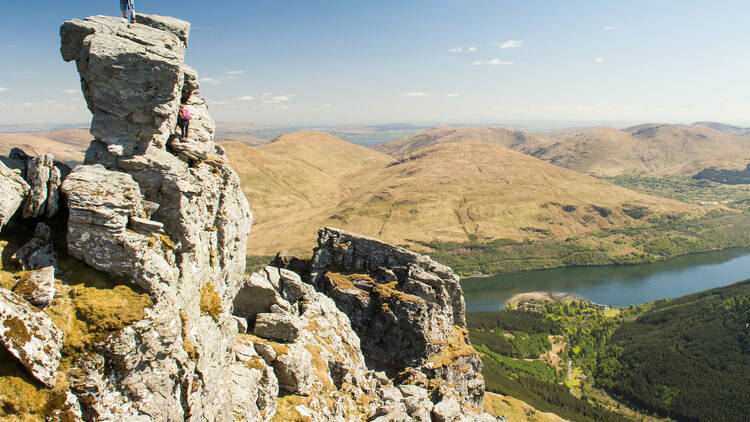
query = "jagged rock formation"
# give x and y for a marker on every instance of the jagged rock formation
(161, 225)
(408, 312)
(171, 220)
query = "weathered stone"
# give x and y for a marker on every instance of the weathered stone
(44, 179)
(417, 402)
(256, 295)
(277, 326)
(30, 336)
(38, 252)
(447, 410)
(292, 286)
(244, 352)
(241, 324)
(69, 411)
(18, 154)
(294, 370)
(13, 189)
(37, 286)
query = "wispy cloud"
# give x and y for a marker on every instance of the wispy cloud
(235, 72)
(471, 49)
(456, 50)
(276, 99)
(72, 91)
(599, 60)
(209, 80)
(3, 89)
(415, 94)
(609, 28)
(452, 95)
(509, 44)
(493, 62)
(245, 98)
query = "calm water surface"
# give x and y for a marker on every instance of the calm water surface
(615, 285)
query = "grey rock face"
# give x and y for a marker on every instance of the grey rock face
(277, 326)
(172, 220)
(447, 410)
(12, 189)
(30, 336)
(407, 309)
(37, 287)
(38, 252)
(44, 179)
(256, 295)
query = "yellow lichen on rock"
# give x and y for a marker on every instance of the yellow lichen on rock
(210, 303)
(456, 346)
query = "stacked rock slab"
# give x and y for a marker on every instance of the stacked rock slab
(407, 309)
(167, 215)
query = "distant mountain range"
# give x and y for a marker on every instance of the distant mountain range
(450, 184)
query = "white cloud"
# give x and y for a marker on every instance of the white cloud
(72, 91)
(599, 60)
(277, 99)
(509, 44)
(208, 80)
(609, 28)
(493, 62)
(456, 50)
(245, 98)
(471, 49)
(452, 95)
(235, 72)
(415, 94)
(3, 89)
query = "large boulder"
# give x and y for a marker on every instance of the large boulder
(30, 336)
(12, 189)
(37, 286)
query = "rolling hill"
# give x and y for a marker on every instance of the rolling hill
(652, 149)
(510, 138)
(728, 129)
(448, 191)
(67, 145)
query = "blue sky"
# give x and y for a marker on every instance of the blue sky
(353, 62)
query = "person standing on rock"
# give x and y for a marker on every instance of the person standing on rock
(126, 5)
(183, 121)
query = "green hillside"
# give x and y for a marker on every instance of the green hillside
(688, 358)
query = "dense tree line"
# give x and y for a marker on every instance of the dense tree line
(727, 177)
(687, 358)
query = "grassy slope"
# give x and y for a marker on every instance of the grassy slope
(294, 184)
(688, 358)
(451, 192)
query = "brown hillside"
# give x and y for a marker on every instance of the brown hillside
(294, 182)
(651, 149)
(511, 138)
(452, 191)
(67, 151)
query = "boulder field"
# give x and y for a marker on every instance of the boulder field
(126, 297)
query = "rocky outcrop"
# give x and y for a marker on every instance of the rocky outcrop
(30, 336)
(12, 189)
(44, 179)
(169, 217)
(407, 309)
